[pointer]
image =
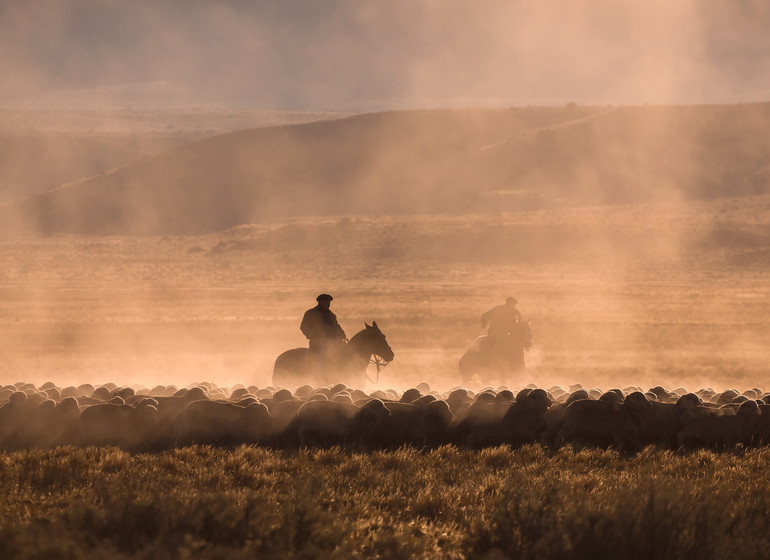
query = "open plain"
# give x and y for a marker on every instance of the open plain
(626, 283)
(688, 306)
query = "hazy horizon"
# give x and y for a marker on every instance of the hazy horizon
(347, 55)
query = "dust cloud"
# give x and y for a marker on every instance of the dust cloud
(351, 55)
(604, 163)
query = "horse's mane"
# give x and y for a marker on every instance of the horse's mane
(360, 334)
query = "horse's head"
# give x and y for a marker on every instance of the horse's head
(377, 343)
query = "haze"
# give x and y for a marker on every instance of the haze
(365, 55)
(179, 179)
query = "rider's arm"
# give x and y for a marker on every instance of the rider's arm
(309, 325)
(338, 329)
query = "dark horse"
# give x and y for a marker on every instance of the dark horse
(296, 366)
(488, 360)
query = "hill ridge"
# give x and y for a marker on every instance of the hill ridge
(422, 161)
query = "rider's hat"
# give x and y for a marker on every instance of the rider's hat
(511, 300)
(324, 297)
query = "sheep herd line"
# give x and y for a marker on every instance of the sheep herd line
(142, 419)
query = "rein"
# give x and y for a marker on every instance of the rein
(360, 343)
(380, 363)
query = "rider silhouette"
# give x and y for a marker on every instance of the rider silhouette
(320, 327)
(502, 321)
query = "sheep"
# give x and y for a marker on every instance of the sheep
(342, 397)
(662, 394)
(472, 425)
(603, 421)
(39, 418)
(423, 388)
(101, 394)
(664, 420)
(338, 423)
(169, 407)
(425, 399)
(724, 426)
(557, 391)
(554, 417)
(47, 416)
(458, 400)
(284, 395)
(5, 394)
(278, 397)
(303, 391)
(14, 416)
(121, 425)
(221, 423)
(66, 420)
(525, 420)
(761, 429)
(238, 394)
(410, 395)
(50, 423)
(284, 422)
(421, 425)
(246, 401)
(124, 393)
(725, 397)
(522, 422)
(485, 397)
(613, 395)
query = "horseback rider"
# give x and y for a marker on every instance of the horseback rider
(320, 327)
(502, 321)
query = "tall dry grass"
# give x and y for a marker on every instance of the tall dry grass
(249, 502)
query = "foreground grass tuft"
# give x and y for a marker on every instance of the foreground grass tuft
(526, 503)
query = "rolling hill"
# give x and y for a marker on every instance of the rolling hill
(405, 162)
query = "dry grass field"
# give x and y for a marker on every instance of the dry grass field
(496, 503)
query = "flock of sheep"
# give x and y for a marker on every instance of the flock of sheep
(137, 418)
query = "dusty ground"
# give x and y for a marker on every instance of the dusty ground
(631, 311)
(642, 294)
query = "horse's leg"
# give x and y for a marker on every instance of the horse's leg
(468, 366)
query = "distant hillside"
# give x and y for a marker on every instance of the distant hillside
(420, 162)
(731, 232)
(35, 163)
(41, 149)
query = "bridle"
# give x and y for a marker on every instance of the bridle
(380, 363)
(375, 359)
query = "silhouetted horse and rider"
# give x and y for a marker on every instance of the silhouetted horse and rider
(498, 355)
(331, 357)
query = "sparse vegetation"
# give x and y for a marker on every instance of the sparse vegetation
(498, 502)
